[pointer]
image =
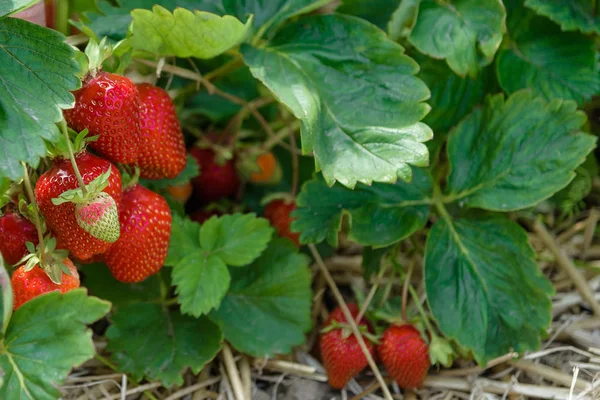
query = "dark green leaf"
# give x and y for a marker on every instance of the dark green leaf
(377, 12)
(570, 14)
(237, 239)
(267, 308)
(379, 214)
(185, 239)
(14, 6)
(484, 287)
(148, 341)
(540, 56)
(100, 282)
(202, 280)
(514, 153)
(185, 33)
(371, 260)
(192, 170)
(6, 298)
(45, 339)
(37, 73)
(325, 68)
(466, 33)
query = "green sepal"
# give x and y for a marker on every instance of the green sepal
(30, 247)
(78, 197)
(441, 352)
(97, 53)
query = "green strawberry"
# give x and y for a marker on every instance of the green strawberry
(99, 217)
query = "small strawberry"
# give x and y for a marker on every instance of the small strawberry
(15, 231)
(342, 356)
(60, 218)
(99, 216)
(215, 181)
(145, 232)
(27, 284)
(405, 355)
(262, 169)
(181, 193)
(162, 149)
(108, 106)
(278, 213)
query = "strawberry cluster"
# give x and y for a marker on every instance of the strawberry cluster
(401, 348)
(90, 213)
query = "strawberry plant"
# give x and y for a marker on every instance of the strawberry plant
(172, 169)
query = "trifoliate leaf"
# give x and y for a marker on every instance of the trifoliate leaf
(571, 15)
(540, 56)
(202, 280)
(325, 68)
(379, 215)
(484, 287)
(185, 33)
(14, 6)
(267, 308)
(47, 337)
(514, 153)
(152, 342)
(37, 75)
(237, 239)
(466, 33)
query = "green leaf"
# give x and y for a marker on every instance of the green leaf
(185, 33)
(540, 56)
(37, 73)
(571, 15)
(514, 153)
(185, 239)
(191, 170)
(379, 215)
(13, 6)
(371, 260)
(202, 280)
(267, 308)
(6, 298)
(237, 239)
(403, 19)
(45, 339)
(377, 12)
(268, 15)
(484, 287)
(466, 33)
(100, 283)
(149, 341)
(324, 75)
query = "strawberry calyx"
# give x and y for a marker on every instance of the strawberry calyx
(287, 198)
(441, 351)
(129, 180)
(81, 196)
(97, 53)
(250, 166)
(347, 330)
(50, 259)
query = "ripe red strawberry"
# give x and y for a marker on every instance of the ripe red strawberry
(342, 356)
(162, 150)
(405, 355)
(99, 217)
(108, 106)
(15, 231)
(61, 218)
(278, 213)
(145, 232)
(215, 181)
(29, 284)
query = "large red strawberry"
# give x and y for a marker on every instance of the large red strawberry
(216, 180)
(405, 355)
(15, 231)
(145, 232)
(162, 149)
(61, 218)
(29, 284)
(278, 213)
(342, 356)
(108, 106)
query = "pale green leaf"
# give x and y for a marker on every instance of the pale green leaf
(185, 33)
(484, 287)
(403, 19)
(237, 239)
(201, 280)
(267, 308)
(551, 62)
(149, 341)
(37, 73)
(325, 68)
(379, 215)
(46, 338)
(571, 15)
(514, 153)
(466, 33)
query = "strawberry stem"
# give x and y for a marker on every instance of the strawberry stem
(417, 301)
(411, 267)
(36, 215)
(371, 294)
(63, 128)
(294, 163)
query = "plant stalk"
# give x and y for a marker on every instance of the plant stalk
(36, 214)
(63, 128)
